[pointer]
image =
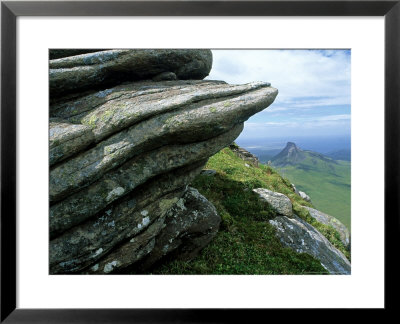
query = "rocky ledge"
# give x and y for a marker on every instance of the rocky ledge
(127, 136)
(302, 237)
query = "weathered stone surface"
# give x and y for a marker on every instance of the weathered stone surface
(127, 136)
(190, 225)
(165, 76)
(130, 252)
(84, 245)
(195, 122)
(67, 139)
(245, 155)
(304, 238)
(88, 201)
(304, 196)
(279, 202)
(109, 111)
(332, 221)
(59, 53)
(91, 70)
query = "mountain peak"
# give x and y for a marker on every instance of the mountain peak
(291, 154)
(291, 145)
(291, 149)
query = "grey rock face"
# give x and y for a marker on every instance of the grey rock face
(189, 226)
(334, 222)
(195, 122)
(59, 53)
(121, 157)
(90, 200)
(279, 202)
(245, 155)
(304, 196)
(87, 243)
(110, 67)
(304, 238)
(165, 76)
(66, 139)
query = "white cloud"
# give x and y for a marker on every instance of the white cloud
(304, 78)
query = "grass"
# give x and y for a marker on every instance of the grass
(246, 242)
(328, 186)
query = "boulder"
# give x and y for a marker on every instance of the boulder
(332, 221)
(117, 183)
(194, 122)
(127, 136)
(304, 196)
(304, 238)
(76, 73)
(84, 245)
(279, 202)
(190, 225)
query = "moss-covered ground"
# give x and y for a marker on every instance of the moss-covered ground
(246, 242)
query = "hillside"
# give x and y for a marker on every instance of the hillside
(325, 180)
(343, 155)
(246, 242)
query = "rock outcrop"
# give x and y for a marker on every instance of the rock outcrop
(245, 155)
(304, 238)
(334, 222)
(86, 71)
(127, 136)
(303, 195)
(280, 203)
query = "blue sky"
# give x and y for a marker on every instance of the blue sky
(314, 90)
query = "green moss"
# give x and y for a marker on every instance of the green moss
(213, 109)
(173, 122)
(227, 104)
(92, 121)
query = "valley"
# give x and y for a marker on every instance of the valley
(327, 181)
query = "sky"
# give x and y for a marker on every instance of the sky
(314, 90)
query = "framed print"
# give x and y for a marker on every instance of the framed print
(128, 194)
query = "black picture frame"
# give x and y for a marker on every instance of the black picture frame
(10, 10)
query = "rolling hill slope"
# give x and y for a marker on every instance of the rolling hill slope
(325, 180)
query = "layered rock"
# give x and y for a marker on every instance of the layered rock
(87, 71)
(334, 222)
(189, 226)
(122, 155)
(245, 155)
(304, 238)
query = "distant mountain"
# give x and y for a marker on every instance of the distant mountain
(343, 155)
(292, 155)
(325, 180)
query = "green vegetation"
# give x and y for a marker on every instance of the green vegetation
(328, 183)
(246, 242)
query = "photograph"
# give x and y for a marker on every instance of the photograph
(199, 161)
